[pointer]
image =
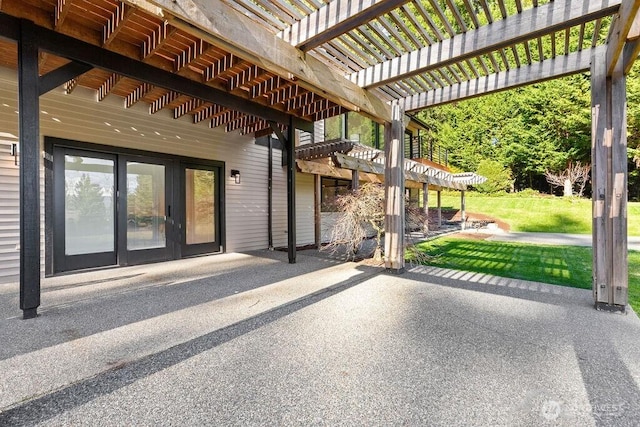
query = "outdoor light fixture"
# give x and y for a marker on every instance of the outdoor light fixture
(15, 153)
(235, 173)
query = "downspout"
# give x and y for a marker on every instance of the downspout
(270, 194)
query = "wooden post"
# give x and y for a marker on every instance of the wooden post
(29, 117)
(394, 191)
(355, 180)
(317, 205)
(609, 178)
(425, 206)
(463, 210)
(439, 199)
(599, 114)
(618, 177)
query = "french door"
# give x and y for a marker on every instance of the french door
(199, 221)
(85, 203)
(120, 209)
(145, 223)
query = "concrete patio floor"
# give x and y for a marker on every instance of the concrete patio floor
(247, 339)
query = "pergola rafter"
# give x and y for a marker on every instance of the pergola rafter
(221, 25)
(333, 19)
(574, 63)
(501, 34)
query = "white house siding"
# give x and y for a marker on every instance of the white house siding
(305, 233)
(81, 117)
(305, 228)
(318, 131)
(9, 208)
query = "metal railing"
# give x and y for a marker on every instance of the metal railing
(418, 147)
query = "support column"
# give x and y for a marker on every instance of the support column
(355, 179)
(425, 206)
(291, 192)
(439, 209)
(463, 210)
(609, 178)
(394, 191)
(618, 184)
(317, 206)
(29, 108)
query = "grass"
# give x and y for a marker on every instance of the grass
(537, 214)
(560, 265)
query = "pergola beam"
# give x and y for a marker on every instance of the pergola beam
(61, 75)
(333, 19)
(529, 24)
(548, 69)
(9, 27)
(222, 26)
(632, 48)
(619, 31)
(631, 52)
(346, 161)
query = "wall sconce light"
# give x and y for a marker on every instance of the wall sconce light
(235, 173)
(15, 153)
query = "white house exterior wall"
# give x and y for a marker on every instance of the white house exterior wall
(81, 117)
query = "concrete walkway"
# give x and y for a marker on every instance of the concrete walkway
(247, 339)
(633, 242)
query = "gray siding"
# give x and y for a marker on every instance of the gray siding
(80, 117)
(9, 210)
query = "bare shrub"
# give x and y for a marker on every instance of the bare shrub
(362, 217)
(576, 174)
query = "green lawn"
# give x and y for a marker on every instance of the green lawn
(560, 265)
(537, 214)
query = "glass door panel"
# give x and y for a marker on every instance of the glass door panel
(89, 205)
(145, 206)
(145, 223)
(200, 206)
(200, 222)
(85, 210)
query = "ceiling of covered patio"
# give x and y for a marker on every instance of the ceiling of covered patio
(314, 59)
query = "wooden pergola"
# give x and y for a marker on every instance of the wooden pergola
(258, 66)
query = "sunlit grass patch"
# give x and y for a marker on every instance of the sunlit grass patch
(559, 265)
(538, 214)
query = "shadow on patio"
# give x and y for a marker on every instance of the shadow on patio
(328, 343)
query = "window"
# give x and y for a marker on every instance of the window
(361, 129)
(332, 188)
(333, 128)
